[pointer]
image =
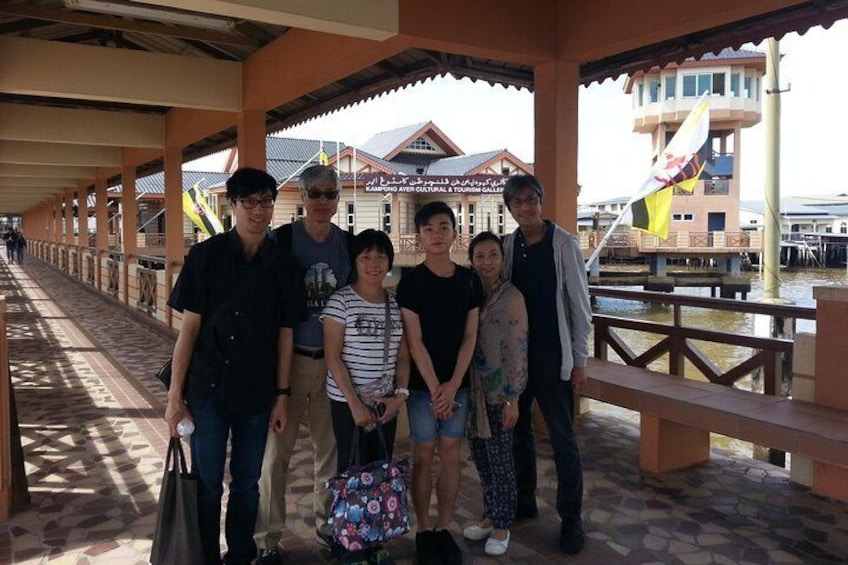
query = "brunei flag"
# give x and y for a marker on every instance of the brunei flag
(679, 166)
(197, 208)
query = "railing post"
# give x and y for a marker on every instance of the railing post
(5, 421)
(601, 347)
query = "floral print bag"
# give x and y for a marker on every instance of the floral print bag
(370, 504)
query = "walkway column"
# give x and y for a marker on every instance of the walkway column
(129, 227)
(68, 241)
(556, 84)
(251, 139)
(174, 246)
(82, 219)
(101, 216)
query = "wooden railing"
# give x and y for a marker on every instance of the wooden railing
(147, 290)
(114, 286)
(91, 269)
(770, 355)
(5, 421)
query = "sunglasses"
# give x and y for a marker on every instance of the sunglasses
(315, 194)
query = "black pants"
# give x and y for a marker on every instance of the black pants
(369, 446)
(556, 401)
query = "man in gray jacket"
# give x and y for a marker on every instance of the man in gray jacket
(545, 263)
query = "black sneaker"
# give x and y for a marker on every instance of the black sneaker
(269, 557)
(449, 551)
(571, 537)
(426, 548)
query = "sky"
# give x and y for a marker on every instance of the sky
(480, 117)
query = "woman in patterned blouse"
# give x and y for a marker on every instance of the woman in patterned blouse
(499, 375)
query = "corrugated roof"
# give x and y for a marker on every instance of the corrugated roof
(460, 165)
(155, 183)
(290, 149)
(385, 142)
(730, 53)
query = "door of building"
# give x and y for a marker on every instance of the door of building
(715, 221)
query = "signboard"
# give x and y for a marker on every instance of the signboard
(429, 184)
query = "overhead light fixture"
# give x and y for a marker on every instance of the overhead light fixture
(157, 15)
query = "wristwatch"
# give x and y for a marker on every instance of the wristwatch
(402, 392)
(283, 391)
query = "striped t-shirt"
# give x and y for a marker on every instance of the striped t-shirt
(362, 352)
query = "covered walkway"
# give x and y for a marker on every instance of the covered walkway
(90, 416)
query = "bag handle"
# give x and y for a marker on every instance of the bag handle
(175, 449)
(359, 432)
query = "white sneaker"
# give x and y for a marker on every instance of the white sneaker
(497, 546)
(477, 532)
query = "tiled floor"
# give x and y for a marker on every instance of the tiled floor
(90, 417)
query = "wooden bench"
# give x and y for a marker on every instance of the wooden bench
(678, 414)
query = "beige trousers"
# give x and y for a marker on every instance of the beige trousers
(309, 396)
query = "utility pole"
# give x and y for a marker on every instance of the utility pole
(771, 122)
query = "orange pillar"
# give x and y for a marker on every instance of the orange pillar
(831, 387)
(82, 216)
(101, 216)
(174, 245)
(251, 139)
(129, 225)
(555, 107)
(69, 218)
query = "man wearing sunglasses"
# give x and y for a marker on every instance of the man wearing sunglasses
(321, 251)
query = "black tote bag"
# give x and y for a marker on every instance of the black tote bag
(176, 540)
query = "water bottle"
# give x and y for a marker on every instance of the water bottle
(186, 427)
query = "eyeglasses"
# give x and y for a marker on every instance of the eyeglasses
(529, 201)
(250, 203)
(315, 194)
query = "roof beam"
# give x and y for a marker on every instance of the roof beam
(123, 24)
(48, 68)
(376, 19)
(46, 171)
(35, 182)
(32, 153)
(90, 127)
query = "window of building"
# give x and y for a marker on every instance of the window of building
(654, 91)
(670, 87)
(300, 213)
(690, 86)
(757, 91)
(422, 145)
(351, 218)
(387, 217)
(641, 97)
(747, 88)
(828, 229)
(459, 217)
(505, 171)
(500, 219)
(734, 85)
(677, 217)
(695, 85)
(471, 219)
(843, 228)
(419, 170)
(688, 217)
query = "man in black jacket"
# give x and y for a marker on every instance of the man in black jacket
(241, 296)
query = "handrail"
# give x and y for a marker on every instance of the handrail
(728, 304)
(5, 421)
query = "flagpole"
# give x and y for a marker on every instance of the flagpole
(607, 235)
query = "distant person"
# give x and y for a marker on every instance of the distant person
(498, 377)
(322, 251)
(11, 240)
(440, 302)
(240, 296)
(367, 362)
(20, 247)
(545, 263)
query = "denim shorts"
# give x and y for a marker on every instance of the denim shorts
(424, 427)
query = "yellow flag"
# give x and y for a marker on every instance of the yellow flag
(198, 210)
(323, 158)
